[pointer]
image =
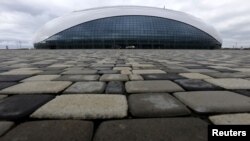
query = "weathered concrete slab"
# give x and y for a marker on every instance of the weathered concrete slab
(114, 77)
(177, 129)
(80, 72)
(147, 71)
(152, 86)
(195, 76)
(135, 77)
(215, 101)
(196, 85)
(231, 119)
(84, 106)
(37, 87)
(12, 78)
(230, 83)
(76, 78)
(169, 76)
(115, 87)
(156, 105)
(51, 130)
(86, 87)
(41, 78)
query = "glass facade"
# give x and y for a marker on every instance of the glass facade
(131, 32)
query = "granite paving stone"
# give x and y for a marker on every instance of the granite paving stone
(158, 129)
(201, 70)
(59, 66)
(157, 86)
(147, 71)
(196, 85)
(12, 78)
(156, 105)
(86, 87)
(108, 72)
(135, 77)
(50, 72)
(114, 77)
(51, 130)
(225, 75)
(122, 68)
(195, 76)
(169, 76)
(84, 106)
(6, 84)
(37, 87)
(21, 72)
(215, 101)
(103, 68)
(76, 78)
(126, 72)
(230, 83)
(41, 78)
(231, 119)
(80, 72)
(5, 126)
(115, 87)
(21, 106)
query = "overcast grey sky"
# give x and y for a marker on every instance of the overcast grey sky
(19, 19)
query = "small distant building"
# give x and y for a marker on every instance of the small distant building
(127, 27)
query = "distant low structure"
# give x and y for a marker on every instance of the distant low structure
(131, 27)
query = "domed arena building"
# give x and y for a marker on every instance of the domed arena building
(120, 27)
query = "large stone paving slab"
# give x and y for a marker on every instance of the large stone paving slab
(114, 77)
(135, 77)
(169, 76)
(172, 129)
(215, 101)
(108, 72)
(196, 85)
(22, 72)
(147, 71)
(195, 76)
(86, 87)
(230, 83)
(76, 78)
(37, 87)
(5, 126)
(12, 78)
(115, 87)
(226, 75)
(84, 106)
(51, 130)
(80, 72)
(231, 119)
(21, 106)
(159, 86)
(156, 105)
(41, 78)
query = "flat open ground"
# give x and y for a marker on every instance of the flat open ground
(121, 95)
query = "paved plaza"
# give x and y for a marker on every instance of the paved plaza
(121, 95)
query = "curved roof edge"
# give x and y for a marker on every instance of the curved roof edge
(77, 17)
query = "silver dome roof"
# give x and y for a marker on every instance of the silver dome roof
(77, 17)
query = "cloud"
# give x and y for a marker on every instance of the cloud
(20, 19)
